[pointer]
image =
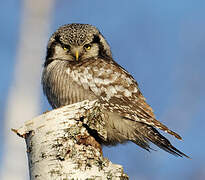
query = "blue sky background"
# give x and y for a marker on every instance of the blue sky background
(161, 43)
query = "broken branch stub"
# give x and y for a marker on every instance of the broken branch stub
(59, 145)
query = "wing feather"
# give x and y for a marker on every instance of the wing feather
(117, 89)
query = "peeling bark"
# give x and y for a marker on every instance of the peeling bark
(60, 147)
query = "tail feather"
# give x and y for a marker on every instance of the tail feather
(152, 135)
(159, 125)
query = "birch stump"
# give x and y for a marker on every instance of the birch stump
(60, 147)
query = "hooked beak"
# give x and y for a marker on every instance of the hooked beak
(76, 55)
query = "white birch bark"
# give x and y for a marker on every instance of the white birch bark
(58, 149)
(23, 100)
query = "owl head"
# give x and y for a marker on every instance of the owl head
(77, 42)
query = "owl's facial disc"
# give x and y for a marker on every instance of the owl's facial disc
(76, 42)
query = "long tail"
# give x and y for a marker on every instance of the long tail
(151, 134)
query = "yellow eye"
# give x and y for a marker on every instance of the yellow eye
(87, 46)
(66, 47)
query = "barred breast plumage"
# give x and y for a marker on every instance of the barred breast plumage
(59, 86)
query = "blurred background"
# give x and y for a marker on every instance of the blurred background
(161, 43)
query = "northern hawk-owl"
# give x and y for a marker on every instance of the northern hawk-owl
(79, 66)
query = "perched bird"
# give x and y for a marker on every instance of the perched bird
(79, 66)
